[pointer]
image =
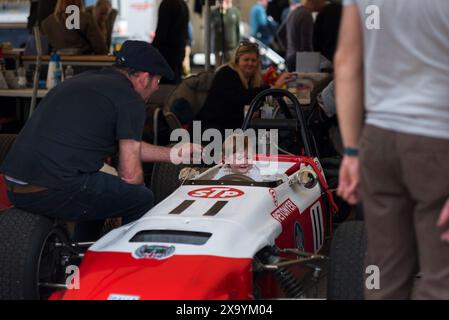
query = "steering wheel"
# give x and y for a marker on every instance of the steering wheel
(237, 177)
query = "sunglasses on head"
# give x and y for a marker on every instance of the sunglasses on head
(247, 43)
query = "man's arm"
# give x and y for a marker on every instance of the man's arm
(130, 165)
(153, 153)
(349, 97)
(349, 77)
(185, 153)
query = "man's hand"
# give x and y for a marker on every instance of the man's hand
(443, 221)
(349, 180)
(188, 173)
(186, 153)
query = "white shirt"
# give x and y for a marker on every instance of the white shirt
(406, 65)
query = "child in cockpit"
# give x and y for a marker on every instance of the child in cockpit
(238, 158)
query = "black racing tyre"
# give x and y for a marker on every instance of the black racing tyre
(164, 180)
(6, 142)
(28, 256)
(346, 276)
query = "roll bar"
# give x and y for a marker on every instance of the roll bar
(279, 93)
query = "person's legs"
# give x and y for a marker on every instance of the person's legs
(111, 197)
(425, 162)
(388, 216)
(94, 198)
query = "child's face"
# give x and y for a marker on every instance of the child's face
(239, 162)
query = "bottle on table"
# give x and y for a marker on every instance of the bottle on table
(69, 73)
(55, 75)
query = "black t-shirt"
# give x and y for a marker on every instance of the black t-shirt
(223, 108)
(76, 126)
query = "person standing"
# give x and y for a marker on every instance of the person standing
(392, 80)
(262, 26)
(296, 34)
(225, 21)
(293, 4)
(171, 34)
(325, 32)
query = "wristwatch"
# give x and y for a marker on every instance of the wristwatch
(351, 152)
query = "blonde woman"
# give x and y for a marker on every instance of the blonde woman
(235, 85)
(85, 40)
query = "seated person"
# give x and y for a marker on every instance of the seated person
(235, 85)
(104, 15)
(86, 40)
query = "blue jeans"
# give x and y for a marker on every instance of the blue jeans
(89, 201)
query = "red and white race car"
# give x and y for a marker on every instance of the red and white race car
(226, 238)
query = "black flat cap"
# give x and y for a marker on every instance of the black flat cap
(142, 56)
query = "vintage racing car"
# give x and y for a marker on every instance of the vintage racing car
(226, 238)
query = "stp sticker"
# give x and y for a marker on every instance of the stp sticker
(216, 192)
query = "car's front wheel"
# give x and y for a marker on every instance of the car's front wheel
(346, 276)
(33, 255)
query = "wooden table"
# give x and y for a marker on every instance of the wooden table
(86, 60)
(22, 93)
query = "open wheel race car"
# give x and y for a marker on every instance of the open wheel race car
(226, 238)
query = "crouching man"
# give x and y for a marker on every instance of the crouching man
(53, 167)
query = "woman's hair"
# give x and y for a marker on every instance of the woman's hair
(61, 6)
(244, 48)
